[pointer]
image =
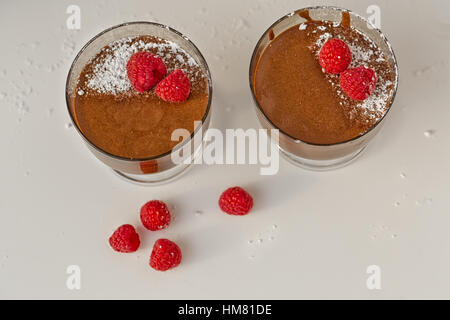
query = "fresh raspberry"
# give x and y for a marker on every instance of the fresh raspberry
(155, 215)
(358, 83)
(165, 255)
(125, 239)
(175, 87)
(236, 201)
(145, 70)
(335, 56)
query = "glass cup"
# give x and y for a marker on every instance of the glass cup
(156, 169)
(322, 156)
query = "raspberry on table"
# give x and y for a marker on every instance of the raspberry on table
(176, 87)
(236, 201)
(358, 83)
(145, 70)
(125, 239)
(335, 56)
(155, 215)
(165, 255)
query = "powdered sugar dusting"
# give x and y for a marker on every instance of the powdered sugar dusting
(109, 75)
(361, 55)
(321, 40)
(375, 105)
(369, 55)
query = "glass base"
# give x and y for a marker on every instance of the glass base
(154, 179)
(321, 165)
(159, 178)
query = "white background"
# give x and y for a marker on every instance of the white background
(58, 204)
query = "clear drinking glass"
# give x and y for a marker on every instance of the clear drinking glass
(322, 156)
(152, 170)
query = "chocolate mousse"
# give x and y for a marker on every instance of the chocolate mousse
(307, 103)
(118, 119)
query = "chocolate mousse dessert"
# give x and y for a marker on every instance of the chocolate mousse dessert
(323, 82)
(135, 92)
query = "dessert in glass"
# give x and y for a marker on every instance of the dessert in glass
(130, 130)
(321, 125)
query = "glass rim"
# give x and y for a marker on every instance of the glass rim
(287, 16)
(202, 61)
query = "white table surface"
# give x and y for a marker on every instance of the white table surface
(58, 204)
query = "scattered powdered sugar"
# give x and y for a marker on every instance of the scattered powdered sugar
(109, 75)
(359, 55)
(322, 39)
(302, 26)
(429, 133)
(180, 58)
(375, 106)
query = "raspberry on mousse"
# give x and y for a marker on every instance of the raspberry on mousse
(358, 83)
(175, 87)
(145, 70)
(335, 56)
